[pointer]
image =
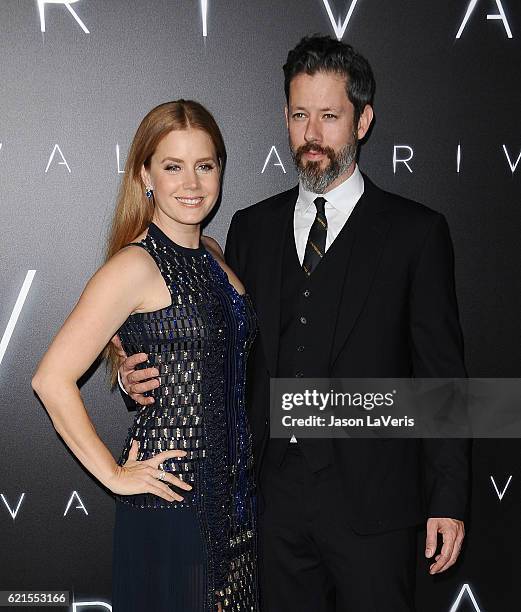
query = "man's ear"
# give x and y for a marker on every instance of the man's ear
(365, 120)
(286, 115)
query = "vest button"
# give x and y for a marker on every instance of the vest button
(303, 320)
(299, 375)
(307, 293)
(300, 348)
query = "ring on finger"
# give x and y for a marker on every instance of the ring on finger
(162, 475)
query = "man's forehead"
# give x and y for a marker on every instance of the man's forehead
(324, 91)
(322, 75)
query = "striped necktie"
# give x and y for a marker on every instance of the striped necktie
(316, 244)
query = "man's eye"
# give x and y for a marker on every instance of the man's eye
(329, 116)
(298, 115)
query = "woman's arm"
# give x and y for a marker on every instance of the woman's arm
(114, 292)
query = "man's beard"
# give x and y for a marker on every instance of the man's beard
(312, 176)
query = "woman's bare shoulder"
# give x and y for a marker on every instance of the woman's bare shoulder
(120, 286)
(131, 261)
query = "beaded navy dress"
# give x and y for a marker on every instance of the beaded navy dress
(188, 556)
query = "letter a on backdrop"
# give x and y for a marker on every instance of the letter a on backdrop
(61, 163)
(274, 151)
(465, 590)
(501, 16)
(80, 506)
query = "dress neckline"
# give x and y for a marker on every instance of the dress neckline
(155, 232)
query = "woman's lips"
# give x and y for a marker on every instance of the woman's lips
(190, 201)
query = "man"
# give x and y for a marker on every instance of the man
(347, 281)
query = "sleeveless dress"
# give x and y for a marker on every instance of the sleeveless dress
(188, 556)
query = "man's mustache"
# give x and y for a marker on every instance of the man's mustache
(308, 147)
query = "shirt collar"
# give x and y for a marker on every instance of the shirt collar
(343, 197)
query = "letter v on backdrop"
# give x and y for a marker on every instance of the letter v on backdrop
(13, 319)
(339, 26)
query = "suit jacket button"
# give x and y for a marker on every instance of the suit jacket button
(303, 320)
(300, 349)
(307, 293)
(299, 375)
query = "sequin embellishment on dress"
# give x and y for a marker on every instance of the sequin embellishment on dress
(200, 346)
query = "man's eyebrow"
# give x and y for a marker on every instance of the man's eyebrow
(322, 110)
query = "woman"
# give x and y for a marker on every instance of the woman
(184, 536)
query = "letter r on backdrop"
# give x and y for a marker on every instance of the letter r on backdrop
(402, 160)
(67, 5)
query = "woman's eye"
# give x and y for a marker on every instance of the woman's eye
(173, 168)
(206, 167)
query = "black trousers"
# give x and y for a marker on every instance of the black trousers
(312, 561)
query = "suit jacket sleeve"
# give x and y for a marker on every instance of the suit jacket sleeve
(231, 250)
(437, 351)
(129, 402)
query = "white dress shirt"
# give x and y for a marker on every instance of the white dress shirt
(340, 203)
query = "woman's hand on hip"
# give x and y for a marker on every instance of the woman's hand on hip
(146, 476)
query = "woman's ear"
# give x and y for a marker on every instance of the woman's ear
(145, 177)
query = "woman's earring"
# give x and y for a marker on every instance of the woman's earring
(149, 192)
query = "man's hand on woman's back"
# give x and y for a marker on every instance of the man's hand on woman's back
(135, 382)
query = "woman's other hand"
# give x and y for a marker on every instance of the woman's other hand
(135, 476)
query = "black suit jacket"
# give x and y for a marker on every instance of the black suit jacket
(398, 317)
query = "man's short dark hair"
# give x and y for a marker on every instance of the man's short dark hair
(324, 54)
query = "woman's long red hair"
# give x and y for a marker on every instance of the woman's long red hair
(134, 211)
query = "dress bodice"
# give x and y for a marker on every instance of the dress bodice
(200, 345)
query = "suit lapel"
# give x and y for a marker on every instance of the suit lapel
(370, 231)
(273, 235)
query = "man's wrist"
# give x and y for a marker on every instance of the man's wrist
(121, 384)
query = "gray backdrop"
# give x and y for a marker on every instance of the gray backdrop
(447, 77)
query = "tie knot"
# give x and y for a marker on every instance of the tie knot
(320, 204)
